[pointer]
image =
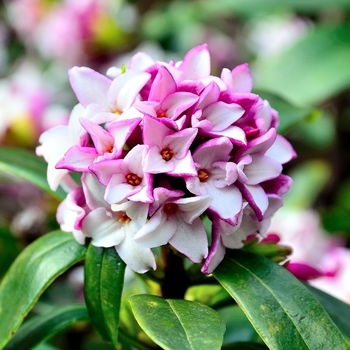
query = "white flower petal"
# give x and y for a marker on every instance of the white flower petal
(103, 228)
(191, 240)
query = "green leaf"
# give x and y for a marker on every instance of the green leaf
(312, 70)
(178, 324)
(281, 309)
(104, 280)
(40, 328)
(31, 273)
(337, 310)
(27, 166)
(9, 249)
(238, 327)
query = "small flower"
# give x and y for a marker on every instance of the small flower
(115, 97)
(107, 144)
(215, 177)
(177, 222)
(168, 150)
(125, 178)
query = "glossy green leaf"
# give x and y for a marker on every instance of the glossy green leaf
(281, 309)
(27, 166)
(311, 70)
(40, 328)
(337, 310)
(104, 280)
(178, 324)
(31, 273)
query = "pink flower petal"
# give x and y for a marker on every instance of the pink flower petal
(175, 104)
(256, 197)
(222, 114)
(239, 79)
(196, 63)
(77, 158)
(162, 86)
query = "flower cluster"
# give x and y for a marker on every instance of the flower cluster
(161, 146)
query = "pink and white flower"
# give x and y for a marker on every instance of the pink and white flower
(177, 222)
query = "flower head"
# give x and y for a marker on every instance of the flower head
(162, 145)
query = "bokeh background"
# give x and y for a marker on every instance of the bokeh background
(299, 55)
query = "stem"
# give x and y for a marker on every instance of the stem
(175, 282)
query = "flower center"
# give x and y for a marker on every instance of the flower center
(133, 179)
(203, 175)
(167, 153)
(109, 148)
(161, 114)
(170, 208)
(115, 111)
(124, 218)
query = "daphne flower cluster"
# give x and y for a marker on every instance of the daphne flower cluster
(160, 146)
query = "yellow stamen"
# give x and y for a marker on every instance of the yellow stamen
(167, 153)
(203, 175)
(116, 111)
(133, 179)
(124, 218)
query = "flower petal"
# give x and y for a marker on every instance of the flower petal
(103, 228)
(191, 240)
(281, 150)
(262, 168)
(256, 197)
(125, 88)
(239, 79)
(157, 231)
(192, 207)
(89, 86)
(77, 158)
(196, 63)
(176, 103)
(137, 257)
(162, 86)
(222, 115)
(93, 191)
(227, 202)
